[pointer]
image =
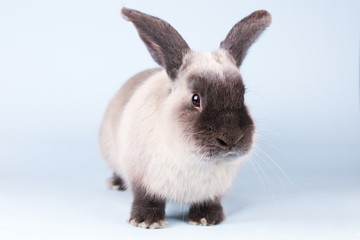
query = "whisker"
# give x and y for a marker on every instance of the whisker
(270, 182)
(275, 163)
(271, 168)
(257, 173)
(272, 146)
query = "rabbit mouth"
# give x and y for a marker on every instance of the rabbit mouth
(222, 155)
(232, 154)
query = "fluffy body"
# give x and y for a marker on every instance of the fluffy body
(142, 140)
(181, 132)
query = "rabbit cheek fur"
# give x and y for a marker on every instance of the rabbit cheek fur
(162, 146)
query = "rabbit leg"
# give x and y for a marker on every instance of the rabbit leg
(206, 213)
(147, 211)
(116, 182)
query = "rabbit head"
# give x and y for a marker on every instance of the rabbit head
(206, 93)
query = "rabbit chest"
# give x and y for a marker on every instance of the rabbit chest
(153, 152)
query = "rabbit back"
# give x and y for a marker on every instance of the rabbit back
(108, 134)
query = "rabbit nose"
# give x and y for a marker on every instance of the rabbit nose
(231, 140)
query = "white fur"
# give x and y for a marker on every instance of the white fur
(150, 147)
(219, 61)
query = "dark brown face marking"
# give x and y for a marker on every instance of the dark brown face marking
(220, 92)
(224, 128)
(210, 210)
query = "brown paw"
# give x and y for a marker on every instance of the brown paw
(116, 183)
(206, 214)
(154, 225)
(206, 222)
(201, 222)
(147, 211)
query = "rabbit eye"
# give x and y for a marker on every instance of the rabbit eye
(196, 100)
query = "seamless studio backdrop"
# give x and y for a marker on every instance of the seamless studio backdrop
(61, 62)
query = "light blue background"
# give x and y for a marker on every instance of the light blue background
(61, 62)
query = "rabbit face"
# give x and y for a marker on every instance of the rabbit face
(223, 127)
(213, 111)
(207, 91)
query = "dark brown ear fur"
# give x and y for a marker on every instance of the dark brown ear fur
(244, 34)
(164, 43)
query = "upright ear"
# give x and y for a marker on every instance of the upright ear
(244, 34)
(164, 43)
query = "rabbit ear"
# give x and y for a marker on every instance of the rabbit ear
(164, 43)
(244, 33)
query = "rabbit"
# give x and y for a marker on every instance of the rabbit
(180, 132)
